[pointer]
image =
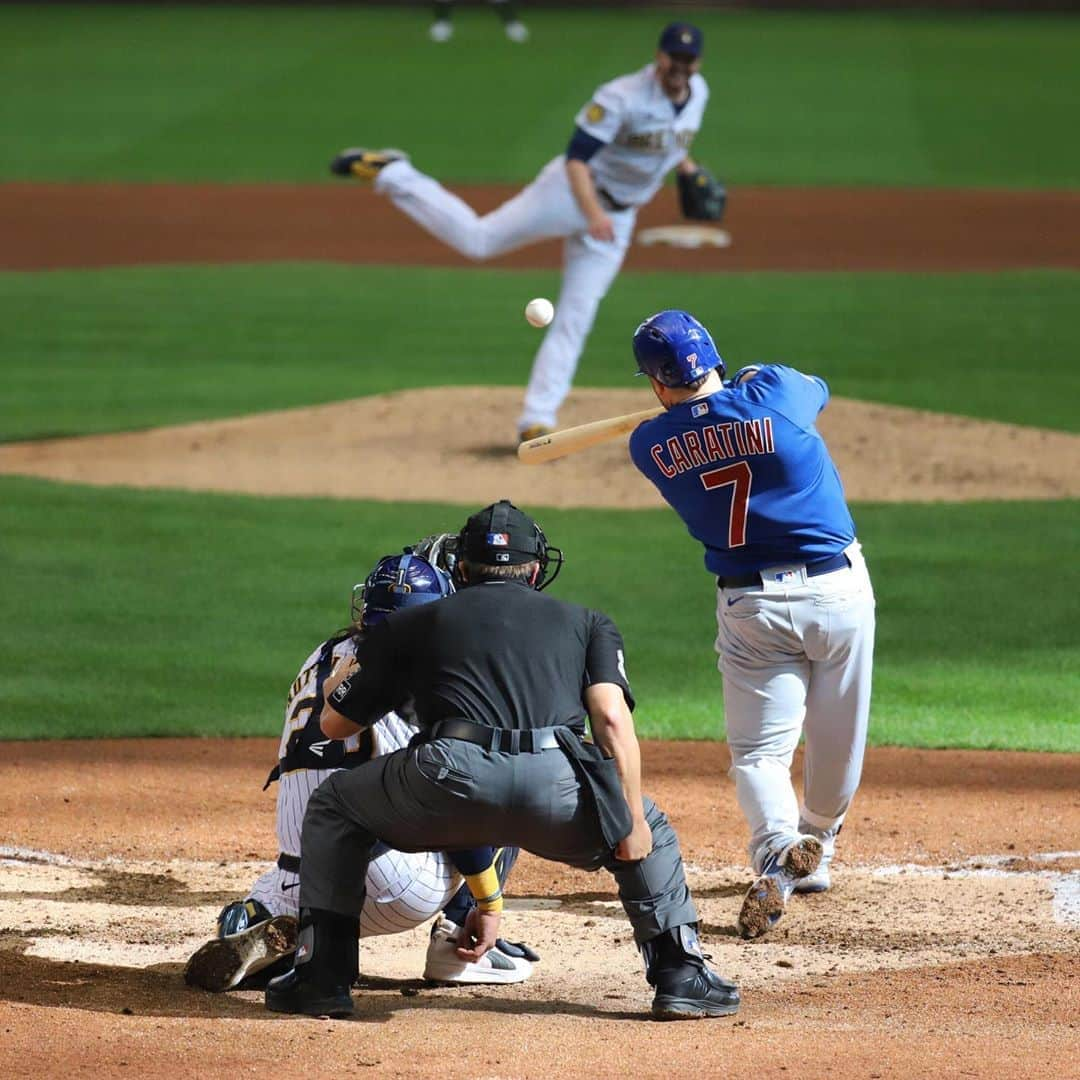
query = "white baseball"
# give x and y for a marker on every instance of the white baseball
(539, 312)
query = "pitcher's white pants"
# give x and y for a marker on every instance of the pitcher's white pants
(543, 210)
(797, 658)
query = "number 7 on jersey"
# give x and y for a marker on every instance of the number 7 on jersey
(739, 476)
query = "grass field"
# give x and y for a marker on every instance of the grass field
(127, 612)
(97, 351)
(166, 613)
(248, 93)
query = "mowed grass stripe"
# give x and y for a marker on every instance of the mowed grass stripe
(238, 92)
(162, 613)
(110, 350)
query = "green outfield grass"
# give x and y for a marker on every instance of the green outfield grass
(97, 351)
(94, 92)
(153, 613)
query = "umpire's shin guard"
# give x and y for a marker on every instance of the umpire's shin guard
(327, 948)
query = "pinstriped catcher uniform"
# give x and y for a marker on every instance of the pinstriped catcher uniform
(403, 889)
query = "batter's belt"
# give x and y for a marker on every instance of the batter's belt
(813, 569)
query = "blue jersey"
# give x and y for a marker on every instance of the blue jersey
(748, 473)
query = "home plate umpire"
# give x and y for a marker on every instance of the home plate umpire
(503, 677)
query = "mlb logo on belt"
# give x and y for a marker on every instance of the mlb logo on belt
(498, 539)
(786, 576)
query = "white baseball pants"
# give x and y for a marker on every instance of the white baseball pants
(796, 658)
(403, 890)
(544, 209)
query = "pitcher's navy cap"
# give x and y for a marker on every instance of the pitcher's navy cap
(678, 37)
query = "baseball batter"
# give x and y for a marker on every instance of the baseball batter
(743, 465)
(634, 131)
(404, 889)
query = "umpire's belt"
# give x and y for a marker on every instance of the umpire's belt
(813, 569)
(610, 203)
(503, 740)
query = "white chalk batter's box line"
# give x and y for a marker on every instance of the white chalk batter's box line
(1065, 884)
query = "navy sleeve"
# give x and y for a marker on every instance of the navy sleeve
(605, 657)
(473, 861)
(583, 146)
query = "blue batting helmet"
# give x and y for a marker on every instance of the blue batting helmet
(398, 581)
(675, 349)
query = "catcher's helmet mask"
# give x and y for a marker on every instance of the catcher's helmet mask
(398, 581)
(675, 349)
(503, 535)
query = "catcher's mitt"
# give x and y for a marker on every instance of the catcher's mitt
(701, 196)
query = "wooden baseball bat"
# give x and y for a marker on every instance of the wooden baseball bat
(570, 440)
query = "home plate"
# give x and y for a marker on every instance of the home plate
(685, 236)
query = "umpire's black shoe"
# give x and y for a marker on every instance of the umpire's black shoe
(694, 996)
(291, 994)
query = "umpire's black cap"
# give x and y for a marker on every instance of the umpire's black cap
(679, 38)
(501, 535)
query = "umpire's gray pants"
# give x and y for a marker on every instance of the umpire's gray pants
(451, 795)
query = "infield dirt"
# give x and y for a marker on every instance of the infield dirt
(949, 945)
(928, 956)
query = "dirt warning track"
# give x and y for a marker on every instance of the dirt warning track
(48, 226)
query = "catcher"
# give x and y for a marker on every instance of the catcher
(404, 890)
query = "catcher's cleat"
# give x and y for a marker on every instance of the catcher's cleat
(291, 994)
(238, 916)
(222, 964)
(695, 996)
(364, 164)
(504, 964)
(767, 897)
(533, 431)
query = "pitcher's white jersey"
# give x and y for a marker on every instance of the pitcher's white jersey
(645, 136)
(403, 890)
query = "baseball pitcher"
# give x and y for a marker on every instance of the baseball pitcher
(634, 131)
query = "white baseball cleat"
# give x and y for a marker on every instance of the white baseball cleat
(441, 31)
(781, 872)
(819, 881)
(517, 31)
(443, 964)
